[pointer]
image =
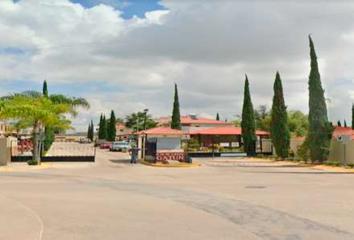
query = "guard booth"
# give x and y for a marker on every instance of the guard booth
(160, 145)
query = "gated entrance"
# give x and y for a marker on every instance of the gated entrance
(59, 152)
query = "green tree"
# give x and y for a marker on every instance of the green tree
(176, 115)
(345, 124)
(248, 123)
(279, 121)
(262, 118)
(100, 127)
(91, 132)
(104, 128)
(298, 123)
(339, 124)
(217, 117)
(45, 88)
(319, 128)
(49, 136)
(111, 128)
(136, 121)
(36, 111)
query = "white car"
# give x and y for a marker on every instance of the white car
(120, 147)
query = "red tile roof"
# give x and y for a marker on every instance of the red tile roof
(189, 120)
(160, 131)
(225, 131)
(343, 131)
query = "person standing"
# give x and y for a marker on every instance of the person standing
(134, 154)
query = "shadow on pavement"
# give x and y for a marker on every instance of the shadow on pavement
(120, 161)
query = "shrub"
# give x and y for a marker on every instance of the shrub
(32, 162)
(332, 163)
(304, 151)
(351, 165)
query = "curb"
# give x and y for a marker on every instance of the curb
(182, 165)
(25, 168)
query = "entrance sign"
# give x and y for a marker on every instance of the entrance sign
(162, 156)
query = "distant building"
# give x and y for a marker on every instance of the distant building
(192, 123)
(122, 132)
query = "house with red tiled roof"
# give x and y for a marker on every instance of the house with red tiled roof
(122, 132)
(342, 152)
(192, 123)
(229, 138)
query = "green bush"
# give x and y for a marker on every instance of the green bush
(304, 151)
(32, 162)
(351, 165)
(332, 163)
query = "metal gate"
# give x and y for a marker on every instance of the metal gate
(58, 152)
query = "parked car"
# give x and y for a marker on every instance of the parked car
(106, 145)
(99, 143)
(120, 147)
(85, 140)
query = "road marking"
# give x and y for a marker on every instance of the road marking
(33, 213)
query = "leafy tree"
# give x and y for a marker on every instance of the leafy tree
(345, 124)
(339, 124)
(176, 115)
(37, 111)
(42, 112)
(136, 121)
(262, 118)
(111, 128)
(279, 121)
(298, 123)
(248, 123)
(218, 117)
(319, 128)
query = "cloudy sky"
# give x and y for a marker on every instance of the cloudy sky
(126, 55)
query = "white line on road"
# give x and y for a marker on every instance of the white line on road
(33, 213)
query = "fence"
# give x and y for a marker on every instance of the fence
(59, 152)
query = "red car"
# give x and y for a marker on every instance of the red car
(106, 145)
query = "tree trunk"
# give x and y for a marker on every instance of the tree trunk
(36, 145)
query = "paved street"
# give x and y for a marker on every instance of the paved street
(223, 199)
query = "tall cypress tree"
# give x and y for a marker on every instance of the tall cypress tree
(248, 123)
(111, 128)
(92, 131)
(104, 127)
(176, 114)
(49, 135)
(345, 124)
(45, 88)
(319, 128)
(100, 128)
(89, 131)
(217, 117)
(339, 124)
(353, 116)
(279, 121)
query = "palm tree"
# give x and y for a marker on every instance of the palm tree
(32, 108)
(140, 121)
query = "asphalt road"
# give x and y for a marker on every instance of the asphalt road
(223, 199)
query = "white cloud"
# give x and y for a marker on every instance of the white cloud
(204, 46)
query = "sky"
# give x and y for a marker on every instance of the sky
(126, 55)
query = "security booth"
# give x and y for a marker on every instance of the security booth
(159, 145)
